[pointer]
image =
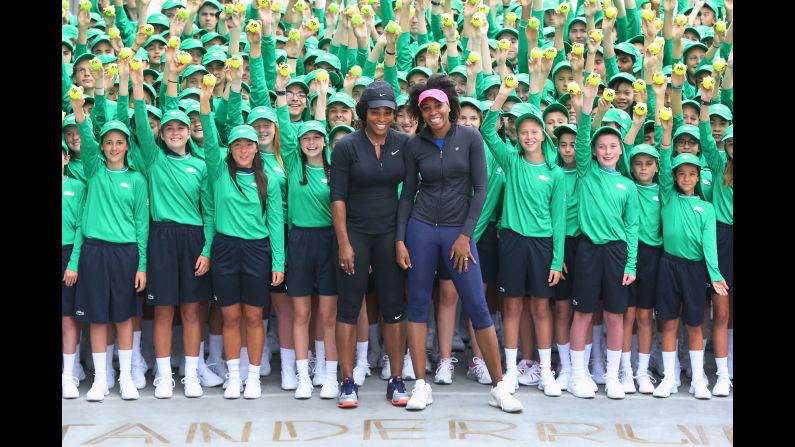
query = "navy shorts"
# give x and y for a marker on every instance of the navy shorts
(241, 270)
(106, 290)
(524, 265)
(310, 253)
(725, 239)
(643, 290)
(282, 288)
(488, 250)
(67, 293)
(600, 271)
(681, 282)
(171, 260)
(564, 288)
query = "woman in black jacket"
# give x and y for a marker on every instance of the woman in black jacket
(439, 223)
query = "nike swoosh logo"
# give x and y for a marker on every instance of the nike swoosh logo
(381, 94)
(398, 316)
(393, 153)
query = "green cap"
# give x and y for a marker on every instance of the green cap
(363, 81)
(645, 149)
(640, 38)
(114, 125)
(550, 4)
(720, 110)
(243, 131)
(473, 102)
(419, 69)
(212, 3)
(692, 103)
(621, 75)
(402, 99)
(693, 30)
(154, 111)
(559, 66)
(69, 31)
(343, 98)
(168, 4)
(559, 130)
(92, 33)
(69, 120)
(713, 6)
(155, 38)
(606, 130)
(311, 126)
(212, 35)
(175, 115)
(83, 57)
(158, 18)
(330, 59)
(620, 117)
(192, 44)
(402, 76)
(68, 43)
(555, 107)
(729, 133)
(512, 31)
(527, 113)
(689, 130)
(705, 67)
(340, 127)
(313, 54)
(521, 108)
(189, 91)
(100, 38)
(689, 45)
(151, 90)
(689, 159)
(488, 82)
(192, 69)
(214, 56)
(299, 80)
(418, 50)
(460, 70)
(628, 48)
(107, 58)
(563, 99)
(262, 112)
(190, 106)
(705, 33)
(523, 78)
(245, 107)
(144, 55)
(334, 78)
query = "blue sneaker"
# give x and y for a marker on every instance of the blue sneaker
(349, 394)
(396, 392)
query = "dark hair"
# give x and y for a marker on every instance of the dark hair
(438, 81)
(259, 176)
(361, 115)
(326, 166)
(162, 143)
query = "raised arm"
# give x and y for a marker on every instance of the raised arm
(212, 151)
(582, 144)
(149, 149)
(89, 148)
(499, 149)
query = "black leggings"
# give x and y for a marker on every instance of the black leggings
(377, 250)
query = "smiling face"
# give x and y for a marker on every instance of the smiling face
(312, 144)
(155, 50)
(265, 131)
(114, 147)
(243, 152)
(718, 125)
(531, 136)
(435, 113)
(566, 148)
(72, 138)
(624, 96)
(607, 150)
(196, 129)
(82, 74)
(175, 135)
(687, 177)
(469, 116)
(405, 122)
(460, 83)
(693, 58)
(644, 167)
(379, 119)
(686, 144)
(296, 101)
(338, 113)
(555, 119)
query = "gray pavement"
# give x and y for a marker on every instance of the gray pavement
(459, 416)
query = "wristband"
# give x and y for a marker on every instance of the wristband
(290, 57)
(436, 3)
(175, 82)
(280, 92)
(391, 54)
(677, 88)
(705, 103)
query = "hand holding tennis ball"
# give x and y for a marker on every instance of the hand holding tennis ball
(229, 9)
(478, 19)
(96, 64)
(666, 114)
(595, 35)
(393, 28)
(182, 14)
(719, 64)
(565, 7)
(76, 92)
(235, 61)
(322, 75)
(593, 79)
(294, 34)
(510, 81)
(284, 70)
(504, 44)
(209, 80)
(484, 9)
(534, 23)
(313, 24)
(536, 53)
(640, 109)
(680, 68)
(184, 58)
(658, 23)
(253, 26)
(659, 78)
(149, 29)
(609, 94)
(333, 8)
(355, 71)
(474, 57)
(135, 64)
(647, 14)
(367, 10)
(173, 42)
(720, 26)
(109, 11)
(263, 3)
(708, 83)
(573, 88)
(639, 85)
(511, 17)
(434, 47)
(300, 6)
(276, 7)
(85, 5)
(447, 20)
(357, 20)
(680, 20)
(550, 53)
(611, 12)
(653, 48)
(577, 48)
(113, 69)
(114, 33)
(125, 53)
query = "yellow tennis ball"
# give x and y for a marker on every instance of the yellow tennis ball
(550, 53)
(680, 68)
(536, 53)
(720, 26)
(109, 11)
(434, 47)
(483, 8)
(611, 12)
(447, 20)
(135, 64)
(510, 81)
(647, 14)
(534, 23)
(173, 42)
(294, 34)
(653, 48)
(659, 40)
(149, 29)
(182, 14)
(276, 7)
(85, 5)
(474, 56)
(300, 6)
(229, 9)
(659, 78)
(114, 33)
(647, 6)
(357, 20)
(565, 7)
(596, 35)
(639, 85)
(504, 44)
(658, 23)
(184, 58)
(719, 64)
(511, 17)
(573, 88)
(577, 48)
(640, 109)
(707, 83)
(333, 8)
(355, 71)
(367, 10)
(412, 12)
(125, 53)
(209, 80)
(666, 114)
(235, 61)
(594, 79)
(76, 92)
(474, 2)
(113, 69)
(95, 64)
(313, 24)
(240, 7)
(263, 3)
(399, 4)
(680, 20)
(609, 94)
(284, 69)
(478, 19)
(393, 28)
(65, 4)
(322, 75)
(253, 26)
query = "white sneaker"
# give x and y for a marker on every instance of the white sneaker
(127, 388)
(511, 379)
(699, 389)
(599, 372)
(421, 396)
(253, 388)
(678, 372)
(111, 378)
(217, 367)
(666, 387)
(320, 374)
(69, 387)
(548, 384)
(614, 388)
(164, 387)
(289, 379)
(645, 382)
(628, 382)
(359, 373)
(98, 391)
(208, 378)
(193, 387)
(304, 388)
(386, 369)
(563, 378)
(445, 371)
(408, 369)
(233, 387)
(138, 372)
(529, 372)
(330, 390)
(722, 386)
(265, 366)
(500, 396)
(79, 372)
(580, 387)
(593, 384)
(478, 371)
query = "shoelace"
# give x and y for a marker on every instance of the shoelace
(72, 379)
(399, 386)
(644, 374)
(480, 367)
(731, 385)
(446, 362)
(194, 379)
(159, 379)
(251, 380)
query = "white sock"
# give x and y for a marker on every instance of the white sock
(68, 364)
(216, 347)
(331, 370)
(723, 366)
(100, 373)
(201, 366)
(510, 358)
(587, 351)
(545, 357)
(361, 352)
(125, 363)
(613, 362)
(697, 363)
(597, 342)
(577, 363)
(253, 371)
(136, 347)
(191, 366)
(320, 351)
(233, 366)
(626, 363)
(109, 358)
(302, 367)
(564, 351)
(163, 367)
(669, 360)
(288, 359)
(643, 363)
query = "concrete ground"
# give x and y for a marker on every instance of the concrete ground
(459, 416)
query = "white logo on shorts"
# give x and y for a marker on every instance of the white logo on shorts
(543, 178)
(698, 208)
(191, 170)
(656, 198)
(79, 312)
(502, 289)
(215, 298)
(68, 193)
(150, 297)
(456, 148)
(125, 185)
(573, 301)
(398, 317)
(620, 186)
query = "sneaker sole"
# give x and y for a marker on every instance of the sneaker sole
(400, 403)
(442, 382)
(348, 405)
(496, 405)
